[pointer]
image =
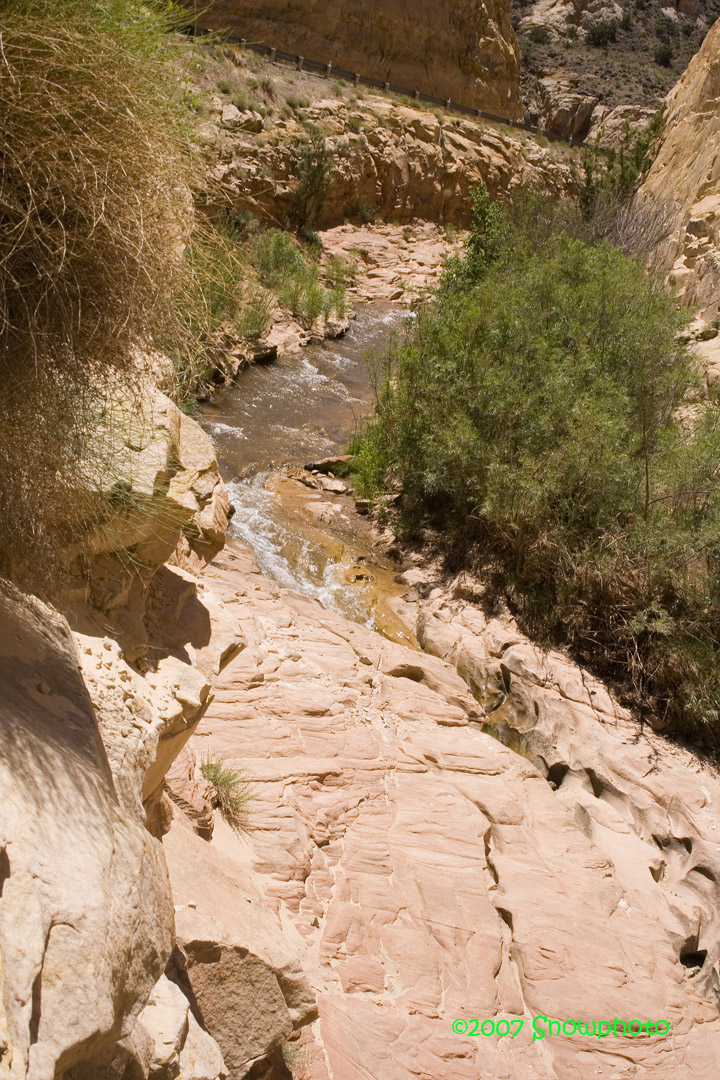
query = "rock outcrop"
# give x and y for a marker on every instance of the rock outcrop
(463, 49)
(437, 873)
(387, 160)
(651, 808)
(685, 180)
(90, 722)
(242, 971)
(86, 918)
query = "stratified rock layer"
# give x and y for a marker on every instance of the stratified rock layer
(438, 874)
(684, 180)
(462, 49)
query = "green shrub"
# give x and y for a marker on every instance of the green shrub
(531, 419)
(294, 277)
(311, 166)
(232, 794)
(539, 35)
(296, 102)
(665, 27)
(664, 55)
(365, 211)
(354, 123)
(601, 33)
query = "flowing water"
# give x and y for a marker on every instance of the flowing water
(298, 410)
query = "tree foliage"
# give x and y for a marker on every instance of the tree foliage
(545, 420)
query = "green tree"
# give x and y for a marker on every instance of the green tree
(532, 419)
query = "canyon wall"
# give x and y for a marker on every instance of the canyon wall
(97, 979)
(463, 49)
(684, 181)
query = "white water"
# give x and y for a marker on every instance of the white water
(296, 410)
(286, 555)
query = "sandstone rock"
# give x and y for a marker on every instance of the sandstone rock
(242, 972)
(436, 873)
(330, 464)
(649, 807)
(685, 180)
(164, 488)
(404, 164)
(145, 720)
(237, 120)
(608, 126)
(465, 50)
(565, 113)
(86, 916)
(181, 1048)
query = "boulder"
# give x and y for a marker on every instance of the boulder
(241, 971)
(86, 917)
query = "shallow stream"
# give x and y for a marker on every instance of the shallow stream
(294, 411)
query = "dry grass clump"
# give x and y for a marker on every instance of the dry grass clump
(95, 204)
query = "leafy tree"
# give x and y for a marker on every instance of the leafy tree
(532, 419)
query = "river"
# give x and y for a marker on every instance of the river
(297, 410)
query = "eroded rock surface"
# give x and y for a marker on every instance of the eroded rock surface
(650, 807)
(685, 180)
(86, 916)
(388, 160)
(463, 49)
(436, 873)
(242, 971)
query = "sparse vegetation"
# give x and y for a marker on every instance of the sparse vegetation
(312, 166)
(664, 55)
(601, 33)
(539, 35)
(294, 277)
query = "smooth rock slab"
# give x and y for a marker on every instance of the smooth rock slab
(433, 871)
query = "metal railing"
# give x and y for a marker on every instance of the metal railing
(329, 70)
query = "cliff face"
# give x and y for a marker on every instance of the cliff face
(685, 180)
(400, 163)
(94, 708)
(462, 49)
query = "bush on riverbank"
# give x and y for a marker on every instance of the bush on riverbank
(544, 420)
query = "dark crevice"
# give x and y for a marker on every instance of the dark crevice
(506, 917)
(36, 1003)
(595, 783)
(4, 868)
(693, 959)
(705, 872)
(556, 774)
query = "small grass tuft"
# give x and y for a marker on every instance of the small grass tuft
(232, 793)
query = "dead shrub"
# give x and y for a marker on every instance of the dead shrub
(95, 204)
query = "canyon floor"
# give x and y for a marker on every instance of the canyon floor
(446, 823)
